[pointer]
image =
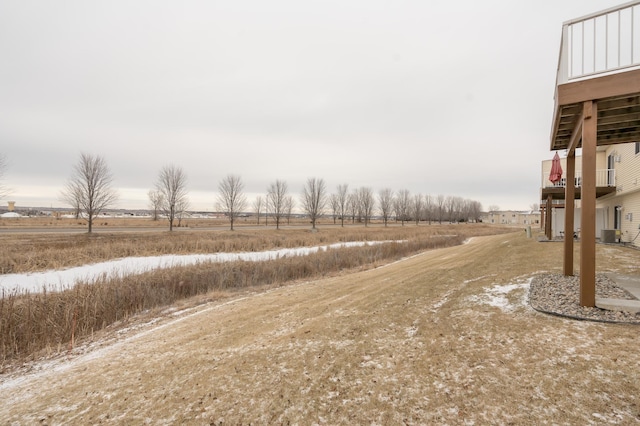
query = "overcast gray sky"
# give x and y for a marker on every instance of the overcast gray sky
(437, 97)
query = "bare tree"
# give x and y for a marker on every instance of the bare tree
(89, 188)
(155, 202)
(464, 210)
(402, 204)
(172, 184)
(475, 210)
(494, 208)
(417, 206)
(276, 200)
(231, 200)
(181, 210)
(289, 203)
(451, 204)
(428, 207)
(72, 195)
(343, 201)
(385, 201)
(353, 205)
(335, 207)
(314, 199)
(440, 208)
(257, 207)
(367, 203)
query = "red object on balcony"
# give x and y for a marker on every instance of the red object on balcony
(556, 169)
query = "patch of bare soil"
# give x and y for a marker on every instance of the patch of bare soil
(444, 337)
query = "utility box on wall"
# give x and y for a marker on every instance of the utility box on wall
(608, 236)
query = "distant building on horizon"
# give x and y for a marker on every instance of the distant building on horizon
(512, 217)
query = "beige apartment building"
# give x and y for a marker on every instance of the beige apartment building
(617, 194)
(512, 217)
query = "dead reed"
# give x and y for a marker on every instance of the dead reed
(20, 253)
(46, 322)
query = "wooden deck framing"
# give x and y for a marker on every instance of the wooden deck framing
(590, 113)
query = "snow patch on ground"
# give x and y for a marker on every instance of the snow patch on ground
(445, 298)
(411, 331)
(498, 296)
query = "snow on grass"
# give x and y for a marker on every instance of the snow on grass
(445, 298)
(57, 280)
(411, 331)
(498, 295)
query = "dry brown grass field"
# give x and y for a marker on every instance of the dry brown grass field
(104, 223)
(442, 337)
(107, 222)
(37, 250)
(46, 322)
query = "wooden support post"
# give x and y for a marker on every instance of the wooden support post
(588, 206)
(547, 223)
(569, 203)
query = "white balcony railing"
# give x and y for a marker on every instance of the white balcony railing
(600, 43)
(604, 177)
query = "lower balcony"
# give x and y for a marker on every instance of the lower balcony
(605, 184)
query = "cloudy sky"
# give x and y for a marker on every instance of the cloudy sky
(437, 97)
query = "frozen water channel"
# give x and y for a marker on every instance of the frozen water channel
(55, 280)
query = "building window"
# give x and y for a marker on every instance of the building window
(637, 147)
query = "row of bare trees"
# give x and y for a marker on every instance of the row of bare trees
(362, 205)
(89, 191)
(400, 206)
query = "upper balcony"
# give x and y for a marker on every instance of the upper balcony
(600, 60)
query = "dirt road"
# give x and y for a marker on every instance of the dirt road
(443, 337)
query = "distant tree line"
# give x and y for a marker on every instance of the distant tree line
(360, 205)
(89, 191)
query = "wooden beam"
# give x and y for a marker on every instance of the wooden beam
(618, 106)
(588, 208)
(547, 221)
(619, 127)
(576, 135)
(555, 121)
(570, 195)
(619, 84)
(618, 139)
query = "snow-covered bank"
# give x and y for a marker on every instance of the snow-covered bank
(56, 280)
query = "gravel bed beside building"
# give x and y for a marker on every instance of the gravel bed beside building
(559, 295)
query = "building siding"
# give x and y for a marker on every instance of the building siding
(627, 196)
(627, 168)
